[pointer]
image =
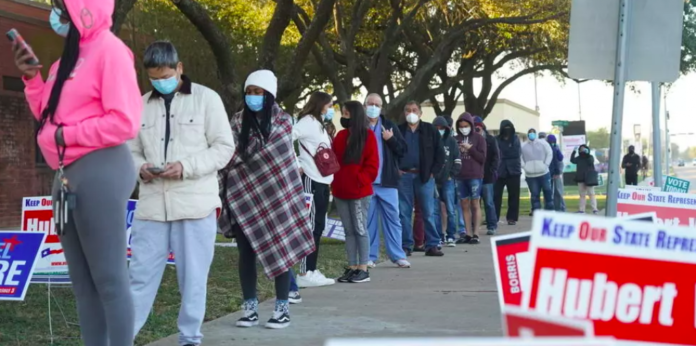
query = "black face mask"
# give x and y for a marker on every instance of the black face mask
(507, 130)
(345, 122)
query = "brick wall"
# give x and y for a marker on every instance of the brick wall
(20, 174)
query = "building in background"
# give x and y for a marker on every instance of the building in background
(524, 118)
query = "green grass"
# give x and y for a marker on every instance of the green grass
(26, 323)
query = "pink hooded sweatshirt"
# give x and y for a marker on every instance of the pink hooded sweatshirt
(100, 105)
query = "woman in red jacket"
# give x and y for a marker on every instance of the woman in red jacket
(356, 150)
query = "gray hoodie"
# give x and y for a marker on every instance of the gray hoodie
(536, 158)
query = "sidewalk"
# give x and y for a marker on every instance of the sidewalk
(454, 295)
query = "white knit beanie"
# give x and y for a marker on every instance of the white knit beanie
(263, 79)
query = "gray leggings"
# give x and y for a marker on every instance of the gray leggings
(353, 213)
(95, 244)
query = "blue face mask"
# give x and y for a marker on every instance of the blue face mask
(254, 102)
(329, 114)
(442, 133)
(585, 150)
(532, 136)
(60, 28)
(373, 112)
(165, 86)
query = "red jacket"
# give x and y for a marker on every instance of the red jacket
(354, 181)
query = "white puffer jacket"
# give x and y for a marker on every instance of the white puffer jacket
(200, 138)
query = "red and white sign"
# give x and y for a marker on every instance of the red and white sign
(525, 323)
(511, 264)
(37, 216)
(431, 341)
(635, 280)
(671, 208)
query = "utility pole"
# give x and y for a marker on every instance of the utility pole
(657, 142)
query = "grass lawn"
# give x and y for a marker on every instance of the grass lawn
(26, 323)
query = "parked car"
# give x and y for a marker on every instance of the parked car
(681, 163)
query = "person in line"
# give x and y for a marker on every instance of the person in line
(461, 226)
(472, 151)
(87, 108)
(446, 203)
(311, 135)
(490, 175)
(263, 203)
(585, 163)
(418, 226)
(631, 163)
(556, 171)
(536, 158)
(423, 160)
(385, 200)
(509, 172)
(357, 152)
(645, 166)
(178, 205)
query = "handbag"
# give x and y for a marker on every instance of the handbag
(325, 159)
(591, 178)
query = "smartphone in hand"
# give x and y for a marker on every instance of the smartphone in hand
(14, 36)
(155, 170)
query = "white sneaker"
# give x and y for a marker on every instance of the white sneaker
(313, 279)
(294, 297)
(371, 264)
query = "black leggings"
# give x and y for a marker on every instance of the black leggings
(318, 217)
(247, 270)
(513, 188)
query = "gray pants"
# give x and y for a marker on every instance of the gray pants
(558, 202)
(95, 244)
(353, 213)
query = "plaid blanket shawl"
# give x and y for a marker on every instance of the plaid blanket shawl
(266, 197)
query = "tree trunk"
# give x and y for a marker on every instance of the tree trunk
(121, 10)
(274, 33)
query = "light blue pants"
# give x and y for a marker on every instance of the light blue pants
(385, 205)
(193, 244)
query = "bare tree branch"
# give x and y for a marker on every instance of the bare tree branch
(121, 10)
(274, 33)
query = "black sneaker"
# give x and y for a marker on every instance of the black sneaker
(512, 223)
(192, 345)
(360, 276)
(408, 252)
(464, 239)
(474, 240)
(249, 320)
(294, 297)
(279, 321)
(346, 275)
(419, 249)
(434, 252)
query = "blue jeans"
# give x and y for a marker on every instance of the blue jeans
(293, 283)
(448, 197)
(385, 206)
(489, 207)
(536, 186)
(410, 186)
(461, 225)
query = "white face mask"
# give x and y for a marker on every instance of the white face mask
(465, 130)
(412, 118)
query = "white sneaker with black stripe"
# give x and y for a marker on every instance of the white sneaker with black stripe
(248, 320)
(294, 297)
(280, 320)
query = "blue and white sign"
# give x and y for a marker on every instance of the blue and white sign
(18, 252)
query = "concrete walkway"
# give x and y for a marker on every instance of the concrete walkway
(454, 295)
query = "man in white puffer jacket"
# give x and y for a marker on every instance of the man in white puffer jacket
(536, 157)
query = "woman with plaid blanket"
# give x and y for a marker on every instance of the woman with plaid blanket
(263, 199)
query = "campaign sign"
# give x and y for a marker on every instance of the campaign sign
(671, 208)
(526, 324)
(334, 229)
(550, 341)
(647, 217)
(18, 253)
(508, 266)
(130, 212)
(673, 184)
(635, 280)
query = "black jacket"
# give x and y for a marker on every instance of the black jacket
(392, 151)
(432, 154)
(452, 162)
(510, 153)
(490, 168)
(635, 161)
(584, 163)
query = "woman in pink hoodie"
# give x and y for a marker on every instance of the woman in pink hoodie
(87, 108)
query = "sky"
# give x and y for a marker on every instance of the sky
(559, 101)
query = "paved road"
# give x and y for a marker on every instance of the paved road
(688, 172)
(454, 295)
